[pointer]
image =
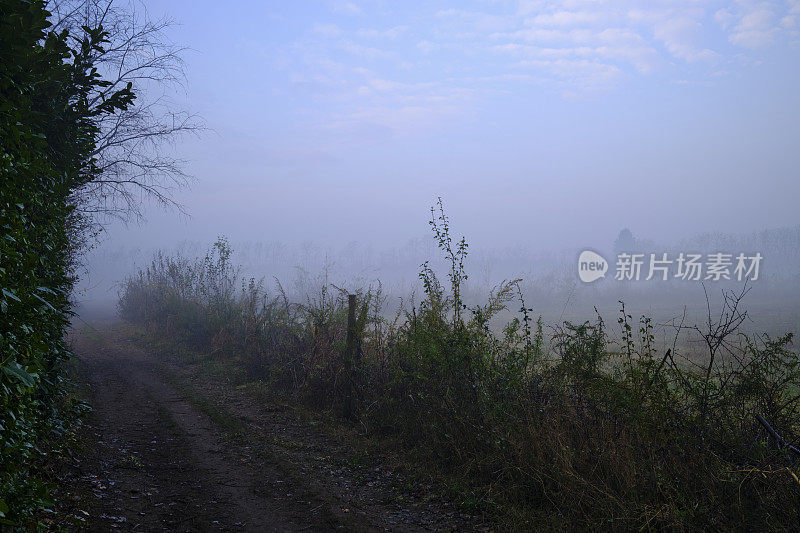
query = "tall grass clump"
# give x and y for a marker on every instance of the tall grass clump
(586, 428)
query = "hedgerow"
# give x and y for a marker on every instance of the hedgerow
(48, 133)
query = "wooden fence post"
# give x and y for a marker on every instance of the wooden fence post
(351, 356)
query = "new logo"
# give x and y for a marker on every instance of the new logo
(591, 266)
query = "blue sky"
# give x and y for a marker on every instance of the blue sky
(542, 124)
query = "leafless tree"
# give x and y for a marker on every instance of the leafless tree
(133, 151)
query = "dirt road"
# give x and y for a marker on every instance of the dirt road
(167, 449)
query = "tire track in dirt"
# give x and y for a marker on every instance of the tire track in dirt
(160, 462)
(192, 477)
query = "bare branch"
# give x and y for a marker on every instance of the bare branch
(132, 150)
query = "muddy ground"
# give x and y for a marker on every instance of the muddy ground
(169, 448)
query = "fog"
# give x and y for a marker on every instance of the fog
(546, 128)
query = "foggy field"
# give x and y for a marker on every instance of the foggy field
(358, 265)
(512, 388)
(549, 280)
(692, 363)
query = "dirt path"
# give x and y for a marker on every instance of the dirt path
(173, 451)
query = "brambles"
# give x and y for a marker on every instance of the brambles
(574, 430)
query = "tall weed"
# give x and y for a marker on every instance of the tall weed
(585, 428)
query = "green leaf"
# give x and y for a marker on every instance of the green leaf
(44, 301)
(16, 370)
(45, 289)
(11, 295)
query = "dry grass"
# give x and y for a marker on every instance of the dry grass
(581, 431)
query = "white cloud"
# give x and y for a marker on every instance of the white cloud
(528, 7)
(680, 36)
(756, 29)
(426, 46)
(567, 18)
(370, 53)
(724, 18)
(575, 45)
(581, 73)
(349, 8)
(576, 36)
(474, 21)
(389, 33)
(327, 31)
(614, 44)
(629, 47)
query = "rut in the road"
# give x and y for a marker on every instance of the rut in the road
(162, 463)
(195, 477)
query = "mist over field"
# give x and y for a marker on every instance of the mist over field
(550, 279)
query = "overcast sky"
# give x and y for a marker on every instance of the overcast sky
(542, 124)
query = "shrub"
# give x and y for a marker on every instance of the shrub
(580, 430)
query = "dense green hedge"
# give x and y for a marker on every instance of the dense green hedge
(48, 131)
